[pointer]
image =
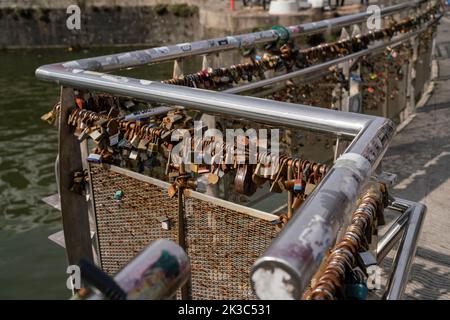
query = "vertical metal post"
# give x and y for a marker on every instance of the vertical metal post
(178, 68)
(181, 233)
(73, 206)
(217, 60)
(210, 122)
(206, 62)
(345, 66)
(354, 94)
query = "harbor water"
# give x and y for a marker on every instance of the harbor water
(31, 266)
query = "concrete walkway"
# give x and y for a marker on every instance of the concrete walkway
(420, 155)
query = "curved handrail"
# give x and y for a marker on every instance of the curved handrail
(332, 199)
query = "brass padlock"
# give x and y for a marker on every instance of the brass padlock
(143, 144)
(153, 147)
(309, 188)
(194, 167)
(213, 178)
(172, 191)
(298, 200)
(135, 140)
(134, 154)
(256, 178)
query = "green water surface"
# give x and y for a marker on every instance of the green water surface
(31, 266)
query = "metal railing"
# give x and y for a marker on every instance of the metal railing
(167, 53)
(405, 229)
(325, 209)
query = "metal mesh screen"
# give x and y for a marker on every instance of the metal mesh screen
(222, 244)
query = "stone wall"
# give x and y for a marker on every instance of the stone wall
(58, 4)
(100, 25)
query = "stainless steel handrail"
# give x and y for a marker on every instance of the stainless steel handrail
(271, 112)
(295, 253)
(143, 57)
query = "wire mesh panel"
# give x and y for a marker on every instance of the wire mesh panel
(130, 214)
(222, 245)
(423, 63)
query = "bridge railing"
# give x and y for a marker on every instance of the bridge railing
(325, 212)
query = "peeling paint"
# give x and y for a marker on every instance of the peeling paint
(273, 284)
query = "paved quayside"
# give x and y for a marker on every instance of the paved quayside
(420, 155)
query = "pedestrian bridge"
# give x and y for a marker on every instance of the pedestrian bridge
(313, 208)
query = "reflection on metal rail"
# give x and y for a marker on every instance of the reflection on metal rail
(289, 263)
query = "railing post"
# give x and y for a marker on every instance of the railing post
(90, 203)
(411, 101)
(206, 61)
(74, 207)
(354, 101)
(345, 66)
(178, 69)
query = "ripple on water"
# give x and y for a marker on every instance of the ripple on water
(46, 179)
(28, 147)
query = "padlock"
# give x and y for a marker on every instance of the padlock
(114, 139)
(356, 291)
(96, 158)
(309, 188)
(172, 191)
(122, 143)
(95, 135)
(135, 140)
(213, 178)
(83, 135)
(173, 175)
(256, 178)
(134, 154)
(153, 147)
(118, 195)
(298, 200)
(49, 117)
(143, 144)
(194, 167)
